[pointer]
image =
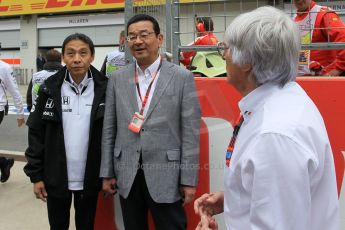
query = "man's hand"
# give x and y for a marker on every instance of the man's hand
(109, 186)
(209, 204)
(207, 224)
(20, 121)
(315, 68)
(188, 194)
(40, 191)
(332, 73)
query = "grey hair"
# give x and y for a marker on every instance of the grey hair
(268, 40)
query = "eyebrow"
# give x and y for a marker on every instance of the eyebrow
(140, 31)
(82, 49)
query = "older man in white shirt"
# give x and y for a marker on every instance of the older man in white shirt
(279, 169)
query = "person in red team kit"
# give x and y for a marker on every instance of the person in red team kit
(205, 37)
(320, 24)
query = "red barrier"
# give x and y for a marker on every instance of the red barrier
(104, 219)
(219, 100)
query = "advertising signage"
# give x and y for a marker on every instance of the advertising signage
(21, 7)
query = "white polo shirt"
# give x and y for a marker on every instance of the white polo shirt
(76, 104)
(282, 174)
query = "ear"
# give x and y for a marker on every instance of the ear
(160, 39)
(246, 68)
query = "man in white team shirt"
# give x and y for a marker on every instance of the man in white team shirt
(279, 172)
(116, 59)
(8, 83)
(52, 65)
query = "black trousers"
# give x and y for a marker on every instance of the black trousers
(2, 114)
(166, 216)
(59, 211)
(3, 161)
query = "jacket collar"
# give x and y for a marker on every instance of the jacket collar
(54, 84)
(57, 79)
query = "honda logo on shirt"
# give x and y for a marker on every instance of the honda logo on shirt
(49, 103)
(65, 100)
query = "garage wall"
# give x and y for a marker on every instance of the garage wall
(100, 35)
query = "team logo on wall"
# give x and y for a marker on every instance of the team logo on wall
(49, 103)
(66, 100)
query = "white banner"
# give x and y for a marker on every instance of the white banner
(80, 20)
(9, 24)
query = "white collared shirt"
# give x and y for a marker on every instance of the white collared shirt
(282, 174)
(145, 78)
(76, 104)
(9, 83)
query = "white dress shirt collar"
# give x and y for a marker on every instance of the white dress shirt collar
(149, 71)
(255, 99)
(144, 80)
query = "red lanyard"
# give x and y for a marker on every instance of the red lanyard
(136, 78)
(231, 146)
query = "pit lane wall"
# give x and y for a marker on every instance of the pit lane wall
(219, 110)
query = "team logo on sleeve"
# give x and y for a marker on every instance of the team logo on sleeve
(48, 113)
(49, 103)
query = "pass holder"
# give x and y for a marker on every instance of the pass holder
(136, 123)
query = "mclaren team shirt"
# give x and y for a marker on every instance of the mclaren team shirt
(76, 103)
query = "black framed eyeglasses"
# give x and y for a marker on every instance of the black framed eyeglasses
(142, 36)
(221, 47)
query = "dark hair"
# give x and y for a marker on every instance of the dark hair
(53, 56)
(144, 17)
(122, 33)
(81, 37)
(207, 21)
